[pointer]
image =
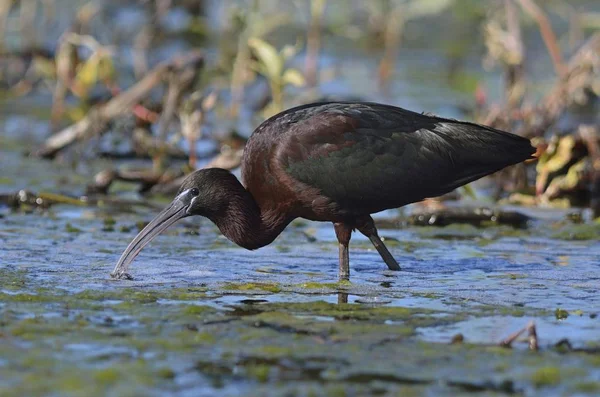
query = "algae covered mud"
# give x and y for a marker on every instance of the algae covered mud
(204, 317)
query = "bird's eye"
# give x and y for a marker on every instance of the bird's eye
(195, 191)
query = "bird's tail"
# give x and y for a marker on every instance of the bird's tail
(480, 144)
(479, 151)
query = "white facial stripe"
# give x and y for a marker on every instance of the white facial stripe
(183, 195)
(192, 201)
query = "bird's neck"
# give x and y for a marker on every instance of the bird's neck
(244, 222)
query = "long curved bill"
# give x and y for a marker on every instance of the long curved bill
(175, 211)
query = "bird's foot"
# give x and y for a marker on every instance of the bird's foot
(121, 276)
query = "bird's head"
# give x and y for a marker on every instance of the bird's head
(203, 192)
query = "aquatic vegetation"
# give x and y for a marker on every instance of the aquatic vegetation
(271, 64)
(578, 232)
(546, 376)
(72, 229)
(268, 287)
(561, 314)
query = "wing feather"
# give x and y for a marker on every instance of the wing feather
(371, 157)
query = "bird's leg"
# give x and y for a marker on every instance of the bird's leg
(343, 233)
(367, 227)
(342, 297)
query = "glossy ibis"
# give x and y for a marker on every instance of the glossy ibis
(337, 162)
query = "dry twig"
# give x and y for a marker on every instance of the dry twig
(98, 117)
(547, 34)
(532, 337)
(578, 78)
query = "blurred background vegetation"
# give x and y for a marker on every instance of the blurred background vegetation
(145, 91)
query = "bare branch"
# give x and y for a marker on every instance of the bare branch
(98, 117)
(547, 34)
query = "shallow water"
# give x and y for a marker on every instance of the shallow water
(204, 316)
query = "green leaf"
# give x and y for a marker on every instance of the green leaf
(87, 75)
(293, 77)
(469, 191)
(268, 56)
(288, 51)
(106, 69)
(553, 161)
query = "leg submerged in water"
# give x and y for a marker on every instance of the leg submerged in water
(367, 227)
(343, 233)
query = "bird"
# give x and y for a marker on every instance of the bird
(335, 162)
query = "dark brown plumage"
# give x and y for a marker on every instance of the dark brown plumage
(337, 162)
